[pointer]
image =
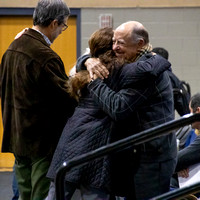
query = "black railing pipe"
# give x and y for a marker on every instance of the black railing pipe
(179, 193)
(135, 139)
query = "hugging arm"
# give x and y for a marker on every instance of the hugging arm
(137, 84)
(118, 105)
(80, 64)
(93, 65)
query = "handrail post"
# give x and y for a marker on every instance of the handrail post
(135, 139)
(59, 181)
(180, 192)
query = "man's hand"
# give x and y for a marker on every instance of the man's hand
(184, 173)
(96, 69)
(21, 33)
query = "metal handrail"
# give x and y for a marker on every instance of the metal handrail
(179, 193)
(135, 139)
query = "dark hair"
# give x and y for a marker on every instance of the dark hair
(161, 51)
(195, 102)
(140, 32)
(48, 10)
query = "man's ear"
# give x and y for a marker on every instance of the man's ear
(198, 110)
(141, 43)
(54, 24)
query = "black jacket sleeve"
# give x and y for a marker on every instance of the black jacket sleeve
(119, 105)
(189, 155)
(81, 61)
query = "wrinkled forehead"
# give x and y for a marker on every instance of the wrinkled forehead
(121, 34)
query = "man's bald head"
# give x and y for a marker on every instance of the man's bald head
(129, 38)
(136, 30)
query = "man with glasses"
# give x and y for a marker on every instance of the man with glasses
(35, 104)
(64, 27)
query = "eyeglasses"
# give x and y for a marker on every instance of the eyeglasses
(64, 27)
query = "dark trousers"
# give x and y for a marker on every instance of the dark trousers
(151, 179)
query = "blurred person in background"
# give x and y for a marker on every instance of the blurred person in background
(181, 90)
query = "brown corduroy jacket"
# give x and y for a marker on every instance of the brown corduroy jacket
(35, 105)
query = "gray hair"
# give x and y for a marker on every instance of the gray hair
(195, 102)
(139, 32)
(48, 10)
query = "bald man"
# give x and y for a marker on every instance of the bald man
(147, 167)
(129, 38)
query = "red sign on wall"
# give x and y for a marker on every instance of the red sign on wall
(105, 20)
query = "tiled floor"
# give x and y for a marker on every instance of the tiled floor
(6, 186)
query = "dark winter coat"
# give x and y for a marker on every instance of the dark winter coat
(35, 105)
(141, 98)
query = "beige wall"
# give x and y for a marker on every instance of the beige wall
(106, 3)
(176, 29)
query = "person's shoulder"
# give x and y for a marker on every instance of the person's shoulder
(81, 61)
(145, 56)
(175, 80)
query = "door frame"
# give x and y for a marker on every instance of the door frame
(75, 12)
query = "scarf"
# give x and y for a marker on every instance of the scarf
(144, 50)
